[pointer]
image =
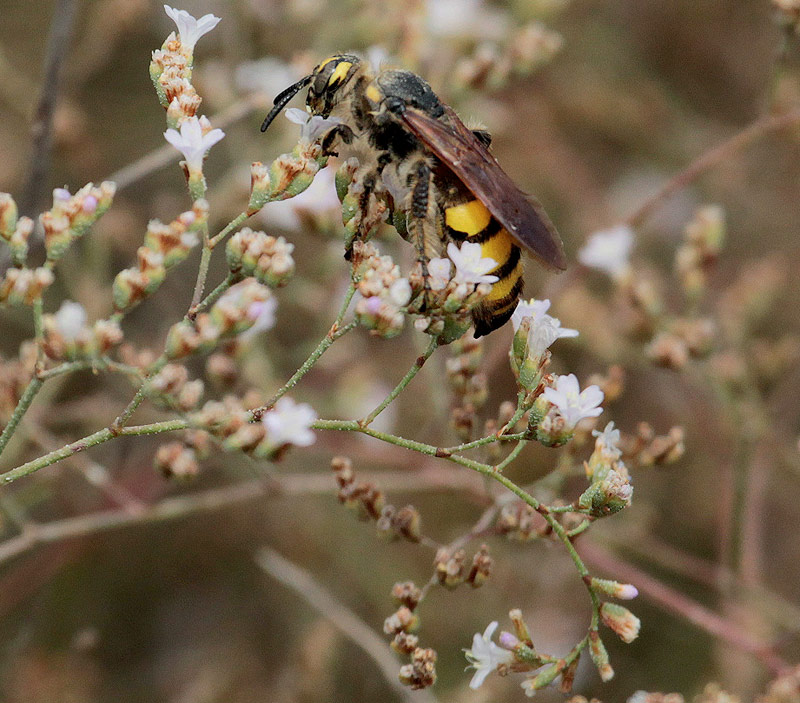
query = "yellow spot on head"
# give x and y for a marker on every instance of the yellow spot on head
(326, 62)
(373, 93)
(470, 218)
(339, 73)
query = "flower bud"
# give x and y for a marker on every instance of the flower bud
(623, 591)
(542, 679)
(407, 594)
(621, 620)
(481, 568)
(401, 621)
(421, 672)
(8, 216)
(268, 259)
(599, 655)
(608, 496)
(176, 460)
(260, 187)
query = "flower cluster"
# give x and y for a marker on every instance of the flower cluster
(468, 384)
(703, 241)
(23, 286)
(171, 66)
(164, 247)
(454, 286)
(534, 332)
(14, 230)
(369, 503)
(247, 306)
(382, 292)
(176, 461)
(72, 215)
(268, 259)
(561, 406)
(286, 423)
(610, 489)
(171, 388)
(67, 335)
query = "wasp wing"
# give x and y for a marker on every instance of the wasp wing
(463, 154)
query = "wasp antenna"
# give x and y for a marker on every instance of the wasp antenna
(282, 99)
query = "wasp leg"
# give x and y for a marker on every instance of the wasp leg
(335, 135)
(423, 213)
(369, 211)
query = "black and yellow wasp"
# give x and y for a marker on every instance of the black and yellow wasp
(416, 154)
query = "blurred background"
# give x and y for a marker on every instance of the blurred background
(594, 105)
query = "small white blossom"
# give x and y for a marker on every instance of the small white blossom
(312, 127)
(485, 655)
(439, 273)
(269, 75)
(573, 404)
(471, 267)
(544, 329)
(192, 143)
(263, 314)
(608, 250)
(191, 29)
(607, 441)
(70, 320)
(400, 292)
(289, 423)
(529, 308)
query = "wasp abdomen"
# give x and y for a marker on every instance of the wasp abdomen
(471, 221)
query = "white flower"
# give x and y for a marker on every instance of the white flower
(465, 19)
(263, 314)
(544, 329)
(192, 143)
(471, 267)
(400, 292)
(439, 273)
(289, 423)
(312, 127)
(485, 655)
(573, 404)
(529, 308)
(70, 320)
(608, 250)
(189, 28)
(607, 441)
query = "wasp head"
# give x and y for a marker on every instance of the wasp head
(328, 84)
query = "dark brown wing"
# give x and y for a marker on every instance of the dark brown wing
(461, 151)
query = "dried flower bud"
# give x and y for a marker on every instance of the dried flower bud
(222, 370)
(406, 594)
(342, 467)
(450, 567)
(421, 673)
(176, 460)
(621, 620)
(407, 523)
(481, 568)
(404, 643)
(401, 621)
(24, 286)
(668, 350)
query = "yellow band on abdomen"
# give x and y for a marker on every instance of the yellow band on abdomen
(470, 218)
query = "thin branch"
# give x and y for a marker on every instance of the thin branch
(710, 158)
(348, 623)
(220, 499)
(41, 130)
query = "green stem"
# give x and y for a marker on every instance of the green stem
(513, 454)
(334, 333)
(22, 407)
(202, 273)
(413, 371)
(91, 440)
(213, 296)
(232, 225)
(119, 423)
(488, 439)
